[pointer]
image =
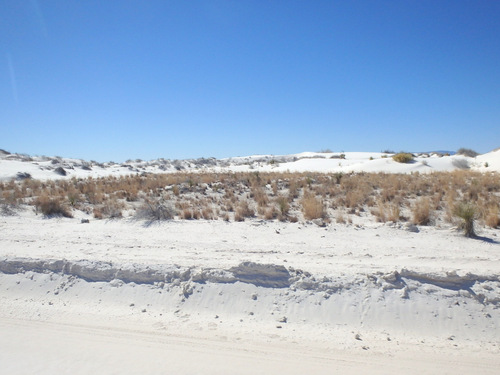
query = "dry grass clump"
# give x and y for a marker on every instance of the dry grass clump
(270, 213)
(51, 207)
(403, 157)
(190, 214)
(260, 196)
(111, 209)
(492, 216)
(312, 207)
(421, 211)
(387, 212)
(243, 211)
(207, 213)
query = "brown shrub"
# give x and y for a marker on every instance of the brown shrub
(260, 196)
(243, 211)
(112, 209)
(207, 213)
(238, 216)
(403, 157)
(387, 212)
(312, 207)
(187, 214)
(293, 190)
(354, 198)
(51, 207)
(270, 214)
(492, 218)
(421, 212)
(97, 213)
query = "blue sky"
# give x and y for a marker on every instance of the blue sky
(113, 80)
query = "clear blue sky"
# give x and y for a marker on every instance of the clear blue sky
(113, 80)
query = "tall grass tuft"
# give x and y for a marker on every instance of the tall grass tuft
(312, 207)
(421, 212)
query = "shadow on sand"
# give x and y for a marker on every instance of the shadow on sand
(485, 239)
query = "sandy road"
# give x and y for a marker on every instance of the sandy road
(28, 347)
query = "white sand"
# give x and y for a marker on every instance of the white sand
(121, 297)
(44, 167)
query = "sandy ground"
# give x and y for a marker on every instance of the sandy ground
(238, 298)
(28, 347)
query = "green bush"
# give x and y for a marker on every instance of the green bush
(466, 212)
(403, 157)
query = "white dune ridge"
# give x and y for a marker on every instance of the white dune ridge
(42, 167)
(248, 297)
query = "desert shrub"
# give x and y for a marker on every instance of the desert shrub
(492, 218)
(421, 211)
(260, 196)
(270, 213)
(274, 186)
(387, 212)
(112, 209)
(190, 214)
(312, 207)
(283, 206)
(243, 210)
(51, 207)
(466, 212)
(97, 213)
(153, 210)
(338, 177)
(354, 198)
(238, 216)
(293, 190)
(467, 152)
(338, 156)
(207, 213)
(403, 157)
(460, 163)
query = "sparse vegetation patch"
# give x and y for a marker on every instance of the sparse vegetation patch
(422, 199)
(403, 157)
